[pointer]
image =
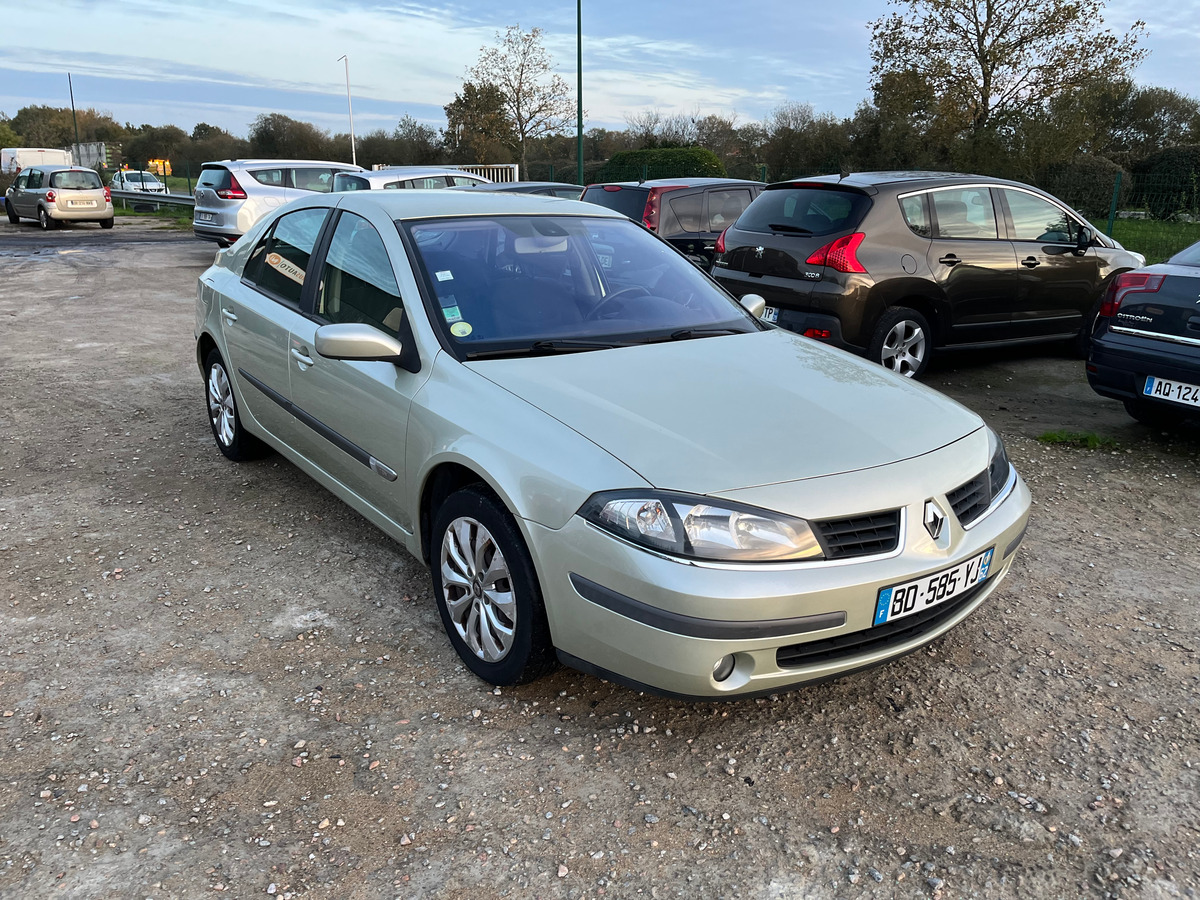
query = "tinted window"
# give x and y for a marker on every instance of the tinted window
(1037, 219)
(344, 181)
(35, 179)
(629, 202)
(682, 213)
(269, 177)
(72, 180)
(513, 280)
(916, 214)
(805, 210)
(964, 213)
(1188, 257)
(216, 178)
(318, 180)
(724, 207)
(357, 284)
(279, 261)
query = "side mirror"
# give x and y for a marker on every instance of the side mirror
(357, 342)
(1086, 235)
(753, 304)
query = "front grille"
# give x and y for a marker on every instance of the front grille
(860, 535)
(970, 500)
(879, 637)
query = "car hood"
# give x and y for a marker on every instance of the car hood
(725, 413)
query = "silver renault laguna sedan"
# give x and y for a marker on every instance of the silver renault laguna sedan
(600, 455)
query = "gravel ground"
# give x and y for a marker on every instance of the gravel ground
(217, 678)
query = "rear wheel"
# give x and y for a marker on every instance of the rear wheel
(106, 223)
(487, 590)
(47, 223)
(902, 342)
(232, 439)
(1152, 415)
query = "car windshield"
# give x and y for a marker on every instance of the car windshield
(144, 177)
(532, 284)
(72, 180)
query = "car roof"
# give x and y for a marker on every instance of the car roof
(59, 167)
(518, 186)
(391, 173)
(903, 178)
(283, 162)
(669, 182)
(423, 204)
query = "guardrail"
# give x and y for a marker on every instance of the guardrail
(147, 197)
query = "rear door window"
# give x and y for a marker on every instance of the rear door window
(269, 177)
(964, 213)
(464, 180)
(279, 262)
(725, 206)
(313, 179)
(433, 182)
(805, 210)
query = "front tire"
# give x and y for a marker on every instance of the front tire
(232, 439)
(902, 342)
(12, 215)
(487, 590)
(44, 219)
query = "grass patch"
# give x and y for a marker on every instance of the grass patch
(1087, 439)
(1155, 239)
(176, 216)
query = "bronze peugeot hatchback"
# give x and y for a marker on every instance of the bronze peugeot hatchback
(894, 264)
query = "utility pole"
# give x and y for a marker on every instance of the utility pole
(579, 89)
(71, 88)
(353, 154)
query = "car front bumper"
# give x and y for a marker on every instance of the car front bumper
(658, 623)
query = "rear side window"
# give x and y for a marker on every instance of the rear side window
(725, 206)
(805, 210)
(684, 217)
(269, 177)
(216, 178)
(628, 201)
(464, 180)
(75, 181)
(277, 265)
(434, 182)
(964, 213)
(344, 181)
(916, 214)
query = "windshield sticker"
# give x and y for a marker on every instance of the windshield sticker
(285, 267)
(461, 329)
(452, 314)
(445, 275)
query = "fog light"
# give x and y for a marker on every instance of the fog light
(724, 668)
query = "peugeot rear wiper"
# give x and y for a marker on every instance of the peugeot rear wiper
(790, 229)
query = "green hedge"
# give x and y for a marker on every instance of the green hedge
(1176, 173)
(675, 162)
(1086, 183)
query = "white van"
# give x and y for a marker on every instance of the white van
(14, 158)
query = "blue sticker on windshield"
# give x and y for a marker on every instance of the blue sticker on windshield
(452, 314)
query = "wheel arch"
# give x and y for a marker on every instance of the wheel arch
(205, 345)
(441, 481)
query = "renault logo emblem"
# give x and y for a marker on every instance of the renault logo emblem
(935, 519)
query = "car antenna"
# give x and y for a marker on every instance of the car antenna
(843, 173)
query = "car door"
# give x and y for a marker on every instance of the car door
(1056, 285)
(972, 263)
(17, 197)
(259, 311)
(356, 413)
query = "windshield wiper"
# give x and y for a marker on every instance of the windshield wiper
(684, 334)
(547, 347)
(790, 229)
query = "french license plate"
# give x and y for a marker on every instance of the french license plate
(204, 217)
(770, 314)
(1175, 391)
(902, 600)
(83, 203)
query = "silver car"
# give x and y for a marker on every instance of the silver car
(425, 178)
(57, 194)
(134, 180)
(233, 194)
(602, 458)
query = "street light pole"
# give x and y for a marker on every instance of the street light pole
(353, 154)
(579, 89)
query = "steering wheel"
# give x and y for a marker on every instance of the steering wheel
(607, 301)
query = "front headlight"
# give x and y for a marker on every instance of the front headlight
(702, 528)
(999, 466)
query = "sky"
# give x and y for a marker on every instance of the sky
(181, 62)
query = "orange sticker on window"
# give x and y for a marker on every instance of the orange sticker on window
(285, 267)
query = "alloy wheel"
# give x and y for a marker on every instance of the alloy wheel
(904, 348)
(221, 410)
(477, 589)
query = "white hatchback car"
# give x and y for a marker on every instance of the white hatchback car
(135, 180)
(602, 456)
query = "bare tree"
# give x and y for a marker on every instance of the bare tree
(986, 61)
(536, 101)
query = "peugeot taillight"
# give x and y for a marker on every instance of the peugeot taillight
(720, 248)
(840, 254)
(234, 191)
(1125, 284)
(653, 204)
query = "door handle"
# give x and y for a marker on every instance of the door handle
(229, 315)
(1030, 262)
(950, 260)
(301, 358)
(1194, 323)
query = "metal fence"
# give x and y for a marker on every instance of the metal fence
(145, 198)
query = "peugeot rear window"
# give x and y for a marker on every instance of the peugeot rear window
(804, 210)
(72, 180)
(628, 201)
